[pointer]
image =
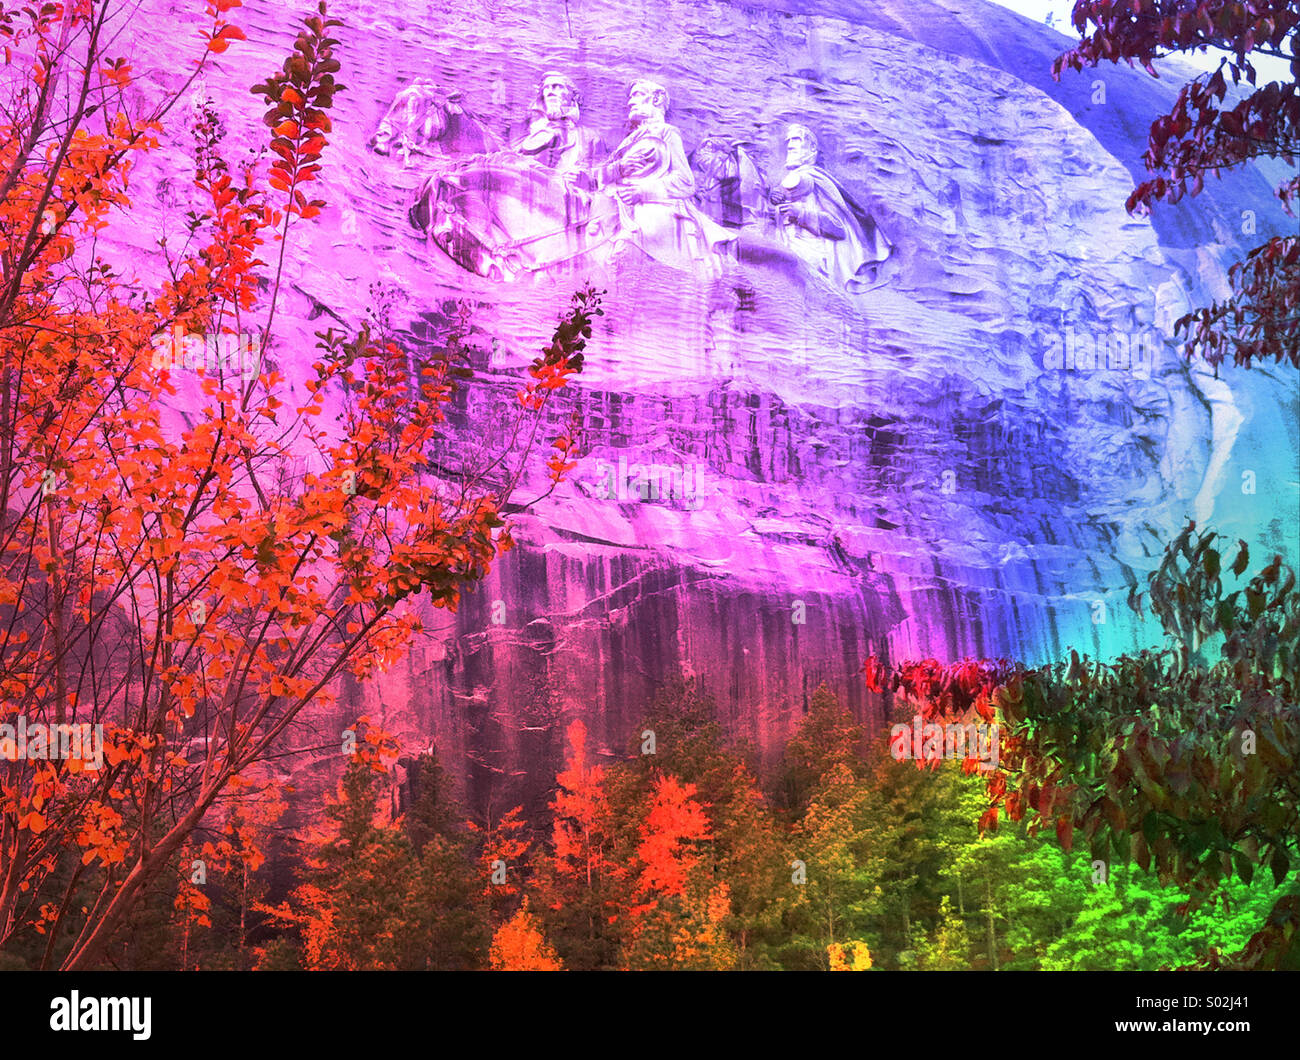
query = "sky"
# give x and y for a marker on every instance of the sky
(1039, 10)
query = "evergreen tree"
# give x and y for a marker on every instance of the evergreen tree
(746, 850)
(442, 920)
(372, 900)
(827, 736)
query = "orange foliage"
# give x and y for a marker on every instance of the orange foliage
(519, 946)
(187, 582)
(665, 853)
(581, 815)
(504, 841)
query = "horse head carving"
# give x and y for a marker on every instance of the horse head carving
(426, 119)
(729, 188)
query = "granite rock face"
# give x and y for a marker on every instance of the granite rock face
(974, 453)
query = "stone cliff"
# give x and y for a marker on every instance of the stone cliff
(974, 452)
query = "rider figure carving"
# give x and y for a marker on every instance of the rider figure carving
(556, 137)
(820, 222)
(650, 178)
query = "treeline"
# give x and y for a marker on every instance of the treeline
(681, 859)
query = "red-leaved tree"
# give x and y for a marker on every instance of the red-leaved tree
(1206, 132)
(192, 583)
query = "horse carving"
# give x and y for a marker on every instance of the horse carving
(501, 216)
(556, 199)
(426, 119)
(729, 187)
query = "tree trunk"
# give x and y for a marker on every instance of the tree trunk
(988, 909)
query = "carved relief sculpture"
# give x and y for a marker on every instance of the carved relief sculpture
(820, 222)
(425, 119)
(521, 210)
(556, 137)
(729, 186)
(649, 177)
(554, 198)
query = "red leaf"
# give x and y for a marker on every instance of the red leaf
(1065, 832)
